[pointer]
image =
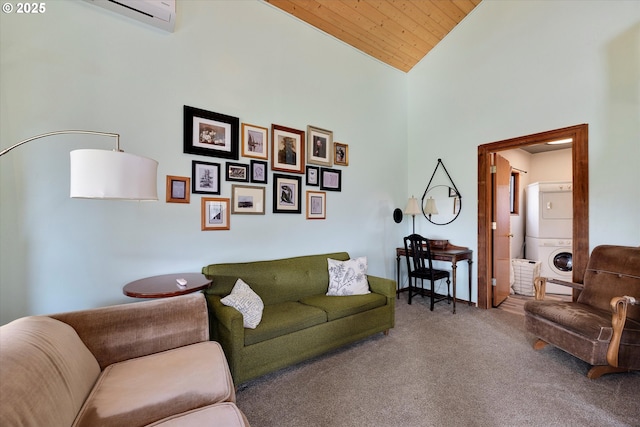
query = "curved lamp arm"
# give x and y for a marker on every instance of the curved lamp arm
(102, 174)
(64, 132)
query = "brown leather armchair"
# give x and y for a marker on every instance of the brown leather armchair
(602, 326)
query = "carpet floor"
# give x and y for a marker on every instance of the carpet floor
(474, 368)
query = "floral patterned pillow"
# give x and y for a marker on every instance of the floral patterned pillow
(348, 277)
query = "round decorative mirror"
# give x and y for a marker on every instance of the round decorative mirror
(441, 203)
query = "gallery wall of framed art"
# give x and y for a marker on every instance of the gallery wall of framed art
(244, 153)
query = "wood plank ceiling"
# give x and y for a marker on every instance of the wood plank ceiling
(397, 32)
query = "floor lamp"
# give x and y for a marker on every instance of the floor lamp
(103, 174)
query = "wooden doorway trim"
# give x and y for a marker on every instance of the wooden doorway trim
(580, 166)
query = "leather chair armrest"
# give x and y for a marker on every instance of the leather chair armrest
(618, 319)
(540, 286)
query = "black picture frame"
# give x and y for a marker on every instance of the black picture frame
(237, 172)
(330, 179)
(205, 177)
(259, 171)
(313, 176)
(211, 134)
(287, 193)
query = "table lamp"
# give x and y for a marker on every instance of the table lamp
(412, 209)
(430, 207)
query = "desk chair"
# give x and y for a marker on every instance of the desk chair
(419, 266)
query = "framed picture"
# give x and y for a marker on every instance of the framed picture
(258, 171)
(215, 213)
(287, 153)
(316, 205)
(319, 145)
(330, 179)
(340, 154)
(237, 172)
(205, 177)
(313, 176)
(247, 200)
(177, 189)
(287, 190)
(210, 134)
(255, 141)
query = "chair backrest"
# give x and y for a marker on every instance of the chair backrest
(612, 271)
(418, 252)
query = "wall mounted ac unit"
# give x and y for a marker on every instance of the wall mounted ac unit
(159, 13)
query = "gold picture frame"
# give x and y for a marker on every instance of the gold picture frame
(340, 154)
(215, 214)
(247, 200)
(178, 189)
(319, 146)
(255, 141)
(316, 205)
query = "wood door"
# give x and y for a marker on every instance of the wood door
(501, 224)
(580, 167)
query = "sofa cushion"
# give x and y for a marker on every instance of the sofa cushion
(589, 322)
(284, 318)
(140, 391)
(224, 414)
(247, 302)
(337, 306)
(348, 277)
(46, 373)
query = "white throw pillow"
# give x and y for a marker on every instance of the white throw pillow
(348, 277)
(247, 302)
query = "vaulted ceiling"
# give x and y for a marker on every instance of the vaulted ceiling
(397, 32)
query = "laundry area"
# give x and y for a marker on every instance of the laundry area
(549, 230)
(542, 224)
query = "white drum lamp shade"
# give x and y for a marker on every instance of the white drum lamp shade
(102, 174)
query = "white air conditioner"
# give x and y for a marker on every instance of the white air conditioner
(159, 13)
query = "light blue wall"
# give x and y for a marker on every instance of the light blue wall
(510, 69)
(79, 66)
(514, 68)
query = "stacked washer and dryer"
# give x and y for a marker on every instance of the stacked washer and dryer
(549, 231)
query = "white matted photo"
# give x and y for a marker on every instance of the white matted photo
(316, 205)
(247, 200)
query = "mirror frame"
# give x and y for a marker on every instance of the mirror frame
(429, 187)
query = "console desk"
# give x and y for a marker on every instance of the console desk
(449, 253)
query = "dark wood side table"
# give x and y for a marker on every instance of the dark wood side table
(450, 253)
(166, 285)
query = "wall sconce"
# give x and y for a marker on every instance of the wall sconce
(102, 174)
(430, 208)
(412, 209)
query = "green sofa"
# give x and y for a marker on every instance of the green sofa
(299, 321)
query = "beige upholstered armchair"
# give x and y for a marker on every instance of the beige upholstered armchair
(602, 327)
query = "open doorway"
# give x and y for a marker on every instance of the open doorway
(580, 167)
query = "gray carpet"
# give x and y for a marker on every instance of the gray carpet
(474, 368)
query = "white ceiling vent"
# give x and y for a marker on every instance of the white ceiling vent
(159, 13)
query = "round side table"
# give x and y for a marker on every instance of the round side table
(166, 285)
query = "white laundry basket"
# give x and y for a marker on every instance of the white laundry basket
(524, 272)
